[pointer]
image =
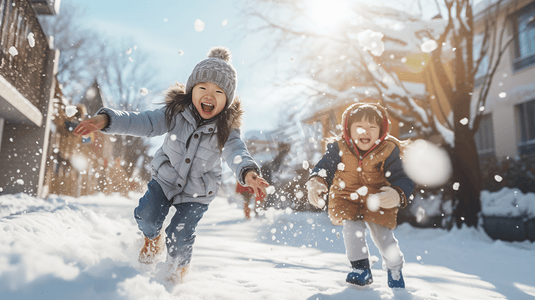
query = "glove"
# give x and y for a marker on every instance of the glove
(388, 197)
(316, 189)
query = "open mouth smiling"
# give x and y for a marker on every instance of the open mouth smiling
(207, 107)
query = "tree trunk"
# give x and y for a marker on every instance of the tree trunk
(466, 170)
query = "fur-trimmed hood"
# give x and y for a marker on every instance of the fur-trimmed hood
(234, 112)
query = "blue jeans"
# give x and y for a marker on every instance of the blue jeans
(150, 215)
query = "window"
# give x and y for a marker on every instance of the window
(526, 127)
(524, 22)
(485, 137)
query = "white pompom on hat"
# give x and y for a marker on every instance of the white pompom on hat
(216, 69)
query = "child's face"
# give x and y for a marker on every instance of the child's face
(209, 99)
(364, 133)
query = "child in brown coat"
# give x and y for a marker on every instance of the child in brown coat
(367, 187)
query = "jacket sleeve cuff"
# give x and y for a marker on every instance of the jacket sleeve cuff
(244, 172)
(103, 111)
(402, 196)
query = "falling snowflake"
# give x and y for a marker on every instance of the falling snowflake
(270, 190)
(143, 91)
(429, 46)
(502, 95)
(305, 165)
(456, 186)
(341, 166)
(498, 178)
(363, 191)
(372, 40)
(129, 51)
(199, 25)
(225, 22)
(180, 52)
(31, 39)
(237, 159)
(13, 51)
(464, 121)
(70, 110)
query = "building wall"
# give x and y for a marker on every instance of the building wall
(518, 86)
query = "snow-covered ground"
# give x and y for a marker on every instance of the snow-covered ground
(86, 248)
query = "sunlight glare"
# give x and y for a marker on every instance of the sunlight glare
(328, 14)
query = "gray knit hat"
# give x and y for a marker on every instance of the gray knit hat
(216, 69)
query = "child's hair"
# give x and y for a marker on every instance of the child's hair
(177, 100)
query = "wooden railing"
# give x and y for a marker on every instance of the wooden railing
(23, 49)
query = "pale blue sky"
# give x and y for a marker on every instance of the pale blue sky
(166, 27)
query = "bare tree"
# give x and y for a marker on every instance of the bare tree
(124, 73)
(339, 69)
(78, 48)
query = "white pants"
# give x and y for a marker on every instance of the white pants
(382, 236)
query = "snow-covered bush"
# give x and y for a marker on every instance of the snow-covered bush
(508, 202)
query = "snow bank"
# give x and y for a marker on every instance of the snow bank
(508, 202)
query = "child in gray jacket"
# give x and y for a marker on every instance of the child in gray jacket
(201, 121)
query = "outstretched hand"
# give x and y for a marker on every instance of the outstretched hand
(258, 184)
(91, 125)
(316, 189)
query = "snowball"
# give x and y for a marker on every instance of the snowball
(427, 164)
(341, 166)
(79, 162)
(371, 40)
(299, 195)
(13, 51)
(322, 173)
(498, 178)
(373, 202)
(70, 110)
(237, 159)
(31, 39)
(420, 214)
(199, 25)
(502, 94)
(270, 189)
(429, 46)
(363, 191)
(143, 91)
(464, 121)
(305, 165)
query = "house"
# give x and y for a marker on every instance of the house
(507, 128)
(28, 64)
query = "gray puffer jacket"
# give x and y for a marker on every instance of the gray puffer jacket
(188, 164)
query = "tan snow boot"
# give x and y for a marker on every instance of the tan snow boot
(151, 249)
(177, 276)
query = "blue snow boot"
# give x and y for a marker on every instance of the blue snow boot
(395, 279)
(361, 274)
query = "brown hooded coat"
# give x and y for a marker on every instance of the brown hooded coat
(351, 196)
